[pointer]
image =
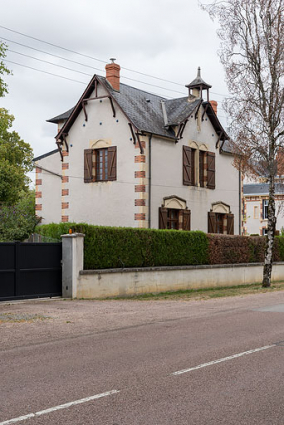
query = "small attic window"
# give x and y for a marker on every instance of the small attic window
(148, 100)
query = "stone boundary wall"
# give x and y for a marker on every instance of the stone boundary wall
(79, 283)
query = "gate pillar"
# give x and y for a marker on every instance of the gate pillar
(72, 263)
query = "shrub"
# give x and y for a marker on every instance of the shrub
(111, 247)
(122, 247)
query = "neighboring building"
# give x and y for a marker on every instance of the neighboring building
(255, 207)
(130, 158)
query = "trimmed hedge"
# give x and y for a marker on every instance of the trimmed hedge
(120, 247)
(112, 247)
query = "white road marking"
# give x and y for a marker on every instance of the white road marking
(61, 406)
(224, 359)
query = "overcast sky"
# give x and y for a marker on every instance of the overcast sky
(167, 39)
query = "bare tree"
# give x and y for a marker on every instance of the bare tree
(252, 53)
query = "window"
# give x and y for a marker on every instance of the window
(220, 223)
(100, 164)
(193, 160)
(171, 218)
(201, 167)
(264, 232)
(265, 209)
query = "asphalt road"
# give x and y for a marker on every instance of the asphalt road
(117, 361)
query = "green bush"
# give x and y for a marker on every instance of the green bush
(112, 247)
(122, 247)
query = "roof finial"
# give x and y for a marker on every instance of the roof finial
(199, 72)
(112, 59)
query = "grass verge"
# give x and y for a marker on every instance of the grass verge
(206, 293)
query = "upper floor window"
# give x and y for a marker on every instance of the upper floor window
(265, 209)
(100, 164)
(198, 167)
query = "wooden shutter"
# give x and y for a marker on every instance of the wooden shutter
(186, 220)
(187, 166)
(212, 224)
(211, 170)
(230, 224)
(88, 166)
(112, 163)
(163, 217)
(201, 168)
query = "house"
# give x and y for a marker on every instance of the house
(255, 207)
(126, 157)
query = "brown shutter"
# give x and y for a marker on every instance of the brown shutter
(187, 172)
(186, 220)
(112, 163)
(88, 166)
(211, 170)
(163, 216)
(230, 224)
(201, 168)
(212, 226)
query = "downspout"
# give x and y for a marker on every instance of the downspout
(150, 181)
(240, 202)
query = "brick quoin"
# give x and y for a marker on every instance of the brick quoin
(64, 205)
(140, 174)
(140, 188)
(38, 170)
(140, 158)
(140, 202)
(140, 216)
(38, 182)
(65, 218)
(143, 144)
(38, 207)
(65, 192)
(65, 165)
(65, 153)
(38, 194)
(65, 179)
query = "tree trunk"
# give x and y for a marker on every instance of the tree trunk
(267, 270)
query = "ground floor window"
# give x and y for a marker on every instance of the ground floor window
(172, 218)
(220, 223)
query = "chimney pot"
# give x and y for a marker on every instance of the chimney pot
(113, 74)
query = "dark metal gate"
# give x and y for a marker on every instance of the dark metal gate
(30, 270)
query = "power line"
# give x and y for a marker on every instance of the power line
(44, 72)
(99, 60)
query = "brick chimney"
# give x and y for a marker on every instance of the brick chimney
(112, 74)
(214, 105)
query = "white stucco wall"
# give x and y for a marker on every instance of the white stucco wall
(50, 189)
(167, 177)
(103, 203)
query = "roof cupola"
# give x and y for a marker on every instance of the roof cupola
(197, 86)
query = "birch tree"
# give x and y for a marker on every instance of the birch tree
(252, 53)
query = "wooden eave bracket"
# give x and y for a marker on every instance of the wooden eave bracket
(181, 130)
(204, 112)
(219, 138)
(85, 101)
(65, 141)
(139, 143)
(132, 133)
(59, 143)
(197, 110)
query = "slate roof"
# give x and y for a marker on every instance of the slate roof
(262, 188)
(144, 110)
(61, 117)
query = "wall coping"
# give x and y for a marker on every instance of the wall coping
(168, 268)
